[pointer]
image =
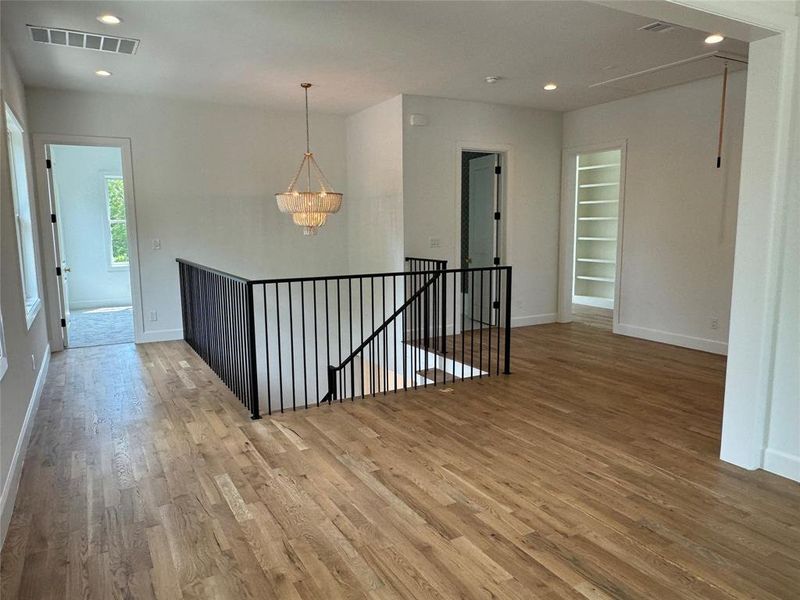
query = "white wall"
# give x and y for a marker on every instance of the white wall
(680, 211)
(782, 452)
(375, 188)
(431, 169)
(79, 174)
(27, 349)
(204, 179)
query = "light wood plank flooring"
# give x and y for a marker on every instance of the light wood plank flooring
(591, 472)
(596, 317)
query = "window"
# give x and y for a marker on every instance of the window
(23, 215)
(117, 227)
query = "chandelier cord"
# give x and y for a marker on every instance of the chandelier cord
(308, 141)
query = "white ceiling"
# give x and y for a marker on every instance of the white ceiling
(358, 53)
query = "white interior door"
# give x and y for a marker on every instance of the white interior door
(482, 203)
(61, 257)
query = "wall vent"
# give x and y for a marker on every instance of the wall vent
(83, 39)
(657, 27)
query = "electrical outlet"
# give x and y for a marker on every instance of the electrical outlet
(436, 243)
(714, 323)
(153, 315)
(156, 244)
(33, 362)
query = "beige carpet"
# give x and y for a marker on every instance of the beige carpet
(100, 326)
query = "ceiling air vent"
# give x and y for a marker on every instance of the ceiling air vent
(83, 39)
(657, 27)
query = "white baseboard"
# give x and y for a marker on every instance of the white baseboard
(160, 335)
(9, 494)
(593, 301)
(110, 303)
(782, 463)
(533, 320)
(675, 339)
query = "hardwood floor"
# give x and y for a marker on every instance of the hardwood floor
(596, 317)
(591, 472)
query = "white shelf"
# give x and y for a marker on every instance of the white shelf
(594, 264)
(592, 167)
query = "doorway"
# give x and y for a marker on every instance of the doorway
(591, 247)
(480, 234)
(92, 240)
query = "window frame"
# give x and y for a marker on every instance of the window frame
(29, 275)
(112, 266)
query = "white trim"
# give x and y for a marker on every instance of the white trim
(160, 335)
(9, 494)
(40, 142)
(782, 463)
(31, 298)
(592, 301)
(31, 312)
(527, 320)
(674, 339)
(3, 353)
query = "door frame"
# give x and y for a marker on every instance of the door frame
(504, 203)
(50, 242)
(566, 238)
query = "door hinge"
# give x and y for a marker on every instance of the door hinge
(498, 169)
(496, 304)
(497, 216)
(497, 260)
(63, 322)
(52, 217)
(58, 271)
(48, 163)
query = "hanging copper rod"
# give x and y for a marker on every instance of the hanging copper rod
(722, 115)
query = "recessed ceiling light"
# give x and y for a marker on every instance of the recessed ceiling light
(550, 87)
(714, 38)
(109, 20)
(102, 73)
(492, 79)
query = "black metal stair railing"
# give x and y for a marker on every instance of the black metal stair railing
(445, 336)
(217, 314)
(279, 339)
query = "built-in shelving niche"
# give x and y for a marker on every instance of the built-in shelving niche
(597, 195)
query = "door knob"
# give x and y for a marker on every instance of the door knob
(67, 270)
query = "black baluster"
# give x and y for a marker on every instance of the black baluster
(303, 333)
(280, 349)
(507, 365)
(480, 344)
(339, 328)
(316, 340)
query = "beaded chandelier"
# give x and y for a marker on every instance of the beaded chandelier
(308, 208)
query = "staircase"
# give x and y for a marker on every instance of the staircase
(292, 343)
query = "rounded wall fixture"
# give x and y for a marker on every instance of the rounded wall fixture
(492, 79)
(102, 73)
(107, 19)
(715, 38)
(550, 87)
